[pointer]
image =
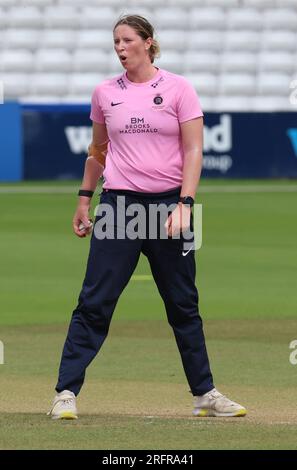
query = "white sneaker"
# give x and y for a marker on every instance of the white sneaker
(213, 403)
(64, 406)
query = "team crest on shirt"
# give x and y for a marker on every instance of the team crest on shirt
(158, 100)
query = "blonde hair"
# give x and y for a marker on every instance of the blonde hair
(144, 29)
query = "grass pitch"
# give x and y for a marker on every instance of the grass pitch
(136, 395)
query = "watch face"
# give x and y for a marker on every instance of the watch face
(187, 200)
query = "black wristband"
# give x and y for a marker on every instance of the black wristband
(85, 192)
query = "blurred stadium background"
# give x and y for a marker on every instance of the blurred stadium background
(241, 56)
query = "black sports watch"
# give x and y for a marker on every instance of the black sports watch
(188, 200)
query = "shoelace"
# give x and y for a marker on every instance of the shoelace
(66, 401)
(216, 395)
(219, 396)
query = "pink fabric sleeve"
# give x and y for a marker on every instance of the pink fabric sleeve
(96, 111)
(188, 105)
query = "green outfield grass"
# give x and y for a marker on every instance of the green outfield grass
(136, 395)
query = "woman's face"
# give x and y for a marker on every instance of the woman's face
(131, 49)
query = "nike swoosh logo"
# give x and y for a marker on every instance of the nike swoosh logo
(184, 253)
(115, 104)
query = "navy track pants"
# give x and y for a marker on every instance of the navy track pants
(111, 263)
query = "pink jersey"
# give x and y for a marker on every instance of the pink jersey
(142, 120)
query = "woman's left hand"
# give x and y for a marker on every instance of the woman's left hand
(179, 220)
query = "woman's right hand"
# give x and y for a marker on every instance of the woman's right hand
(81, 216)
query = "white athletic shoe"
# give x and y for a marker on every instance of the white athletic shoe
(64, 406)
(213, 403)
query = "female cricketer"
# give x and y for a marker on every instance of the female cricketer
(147, 143)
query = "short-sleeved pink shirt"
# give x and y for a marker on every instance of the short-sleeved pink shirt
(142, 119)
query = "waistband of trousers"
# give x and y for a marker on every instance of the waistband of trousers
(128, 192)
